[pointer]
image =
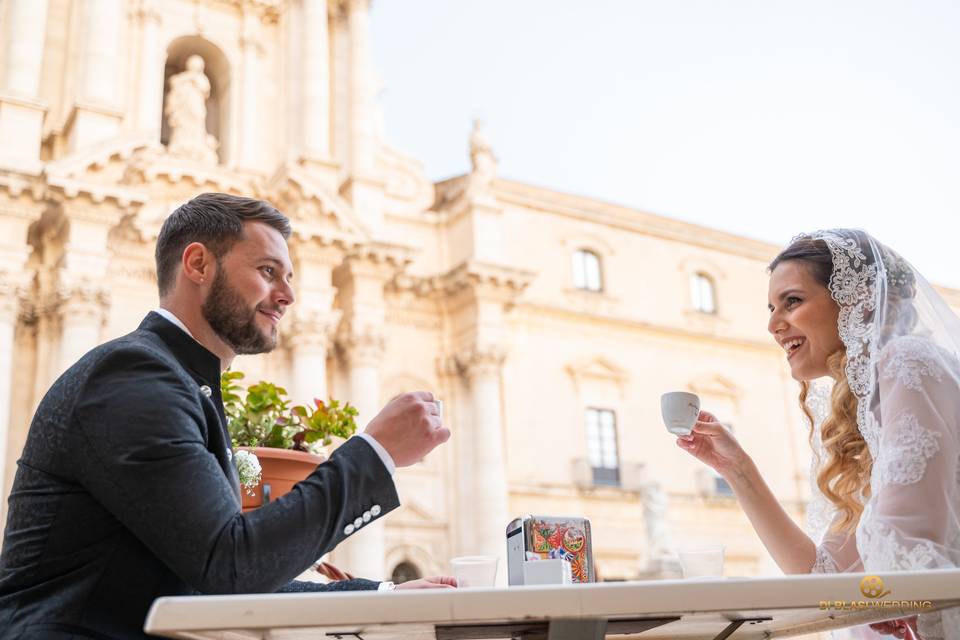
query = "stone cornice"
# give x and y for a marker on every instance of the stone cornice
(483, 280)
(68, 189)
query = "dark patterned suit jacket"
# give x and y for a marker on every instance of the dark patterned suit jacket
(126, 492)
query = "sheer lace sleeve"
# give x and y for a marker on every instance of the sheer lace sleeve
(911, 520)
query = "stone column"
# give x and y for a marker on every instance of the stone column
(97, 115)
(83, 311)
(364, 552)
(21, 111)
(18, 210)
(360, 282)
(486, 486)
(249, 130)
(364, 188)
(315, 114)
(314, 318)
(83, 297)
(9, 309)
(150, 74)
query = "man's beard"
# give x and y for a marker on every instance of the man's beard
(234, 322)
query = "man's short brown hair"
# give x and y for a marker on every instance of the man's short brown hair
(214, 220)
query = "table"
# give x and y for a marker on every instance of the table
(713, 609)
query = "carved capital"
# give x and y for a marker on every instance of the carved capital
(313, 332)
(362, 348)
(481, 362)
(83, 303)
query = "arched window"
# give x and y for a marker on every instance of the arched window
(586, 271)
(703, 293)
(404, 572)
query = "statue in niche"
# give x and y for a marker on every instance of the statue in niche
(482, 160)
(186, 112)
(659, 543)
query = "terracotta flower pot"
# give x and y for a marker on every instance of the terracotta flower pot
(281, 469)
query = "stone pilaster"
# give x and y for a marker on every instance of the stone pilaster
(481, 454)
(251, 46)
(83, 312)
(19, 208)
(97, 114)
(21, 110)
(364, 552)
(150, 74)
(315, 104)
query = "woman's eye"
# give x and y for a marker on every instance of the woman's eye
(792, 301)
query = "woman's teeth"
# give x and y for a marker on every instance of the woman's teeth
(791, 346)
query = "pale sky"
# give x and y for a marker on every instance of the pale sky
(763, 118)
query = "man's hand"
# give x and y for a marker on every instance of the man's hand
(409, 427)
(433, 582)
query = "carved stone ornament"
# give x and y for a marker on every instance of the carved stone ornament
(486, 361)
(362, 348)
(186, 112)
(482, 160)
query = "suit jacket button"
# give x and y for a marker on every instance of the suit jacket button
(205, 390)
(375, 510)
(358, 523)
(366, 516)
(347, 530)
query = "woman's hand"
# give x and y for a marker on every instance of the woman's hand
(433, 582)
(713, 444)
(905, 628)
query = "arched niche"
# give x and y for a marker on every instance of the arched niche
(217, 70)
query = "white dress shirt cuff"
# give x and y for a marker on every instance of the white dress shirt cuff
(385, 457)
(386, 586)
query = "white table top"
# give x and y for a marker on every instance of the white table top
(686, 609)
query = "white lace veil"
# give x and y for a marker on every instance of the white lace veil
(903, 365)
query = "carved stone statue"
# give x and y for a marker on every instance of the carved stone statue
(482, 158)
(186, 112)
(659, 538)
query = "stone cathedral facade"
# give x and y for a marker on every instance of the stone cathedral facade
(549, 323)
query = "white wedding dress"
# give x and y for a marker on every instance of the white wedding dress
(902, 346)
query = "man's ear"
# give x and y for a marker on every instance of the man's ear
(197, 263)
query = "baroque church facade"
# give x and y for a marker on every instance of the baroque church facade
(548, 323)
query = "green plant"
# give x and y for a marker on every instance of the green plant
(263, 417)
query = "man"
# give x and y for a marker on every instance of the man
(126, 492)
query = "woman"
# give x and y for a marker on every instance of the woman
(885, 468)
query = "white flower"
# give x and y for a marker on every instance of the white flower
(248, 468)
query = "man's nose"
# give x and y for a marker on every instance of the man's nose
(284, 294)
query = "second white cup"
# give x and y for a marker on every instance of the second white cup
(475, 571)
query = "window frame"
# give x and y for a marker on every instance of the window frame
(583, 278)
(703, 288)
(603, 475)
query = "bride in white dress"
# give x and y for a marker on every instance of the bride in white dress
(885, 435)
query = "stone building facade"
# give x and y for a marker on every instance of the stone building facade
(549, 323)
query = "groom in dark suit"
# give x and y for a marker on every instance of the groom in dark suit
(126, 491)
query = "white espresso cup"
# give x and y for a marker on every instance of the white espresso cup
(680, 410)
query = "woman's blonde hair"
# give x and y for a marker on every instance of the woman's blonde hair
(844, 469)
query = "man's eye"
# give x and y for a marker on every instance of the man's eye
(267, 270)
